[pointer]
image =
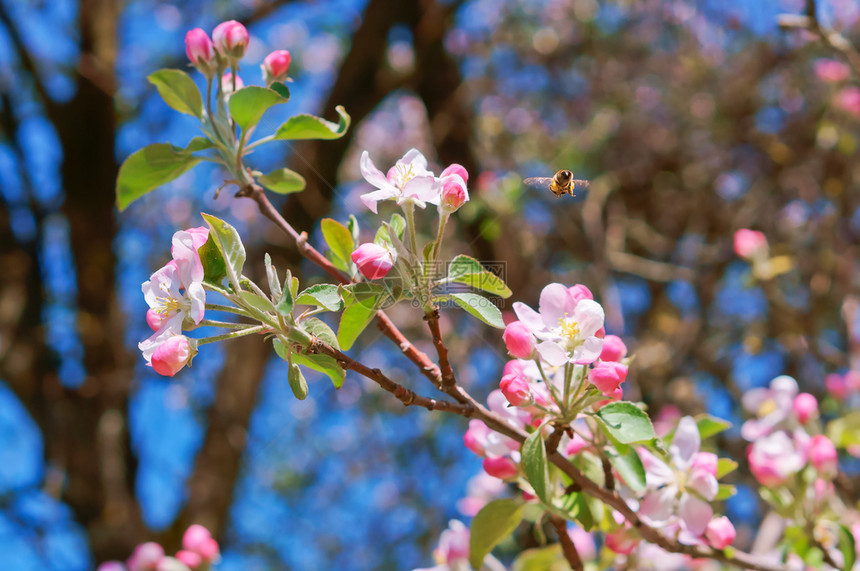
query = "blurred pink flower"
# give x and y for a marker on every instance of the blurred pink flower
(831, 70)
(848, 99)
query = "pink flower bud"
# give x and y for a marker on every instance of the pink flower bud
(476, 436)
(502, 467)
(580, 292)
(836, 385)
(189, 558)
(614, 349)
(607, 376)
(749, 243)
(720, 532)
(519, 340)
(276, 66)
(373, 260)
(805, 407)
(111, 566)
(823, 455)
(513, 367)
(194, 537)
(227, 83)
(172, 355)
(209, 550)
(575, 445)
(516, 390)
(145, 557)
(848, 99)
(831, 70)
(454, 194)
(200, 51)
(230, 39)
(454, 168)
(706, 461)
(154, 319)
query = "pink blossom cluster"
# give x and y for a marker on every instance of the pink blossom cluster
(176, 299)
(224, 50)
(409, 183)
(199, 550)
(452, 551)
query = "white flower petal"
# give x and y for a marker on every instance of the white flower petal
(695, 513)
(588, 352)
(371, 198)
(686, 443)
(552, 353)
(423, 188)
(589, 316)
(370, 173)
(529, 317)
(556, 303)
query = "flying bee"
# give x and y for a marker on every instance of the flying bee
(561, 183)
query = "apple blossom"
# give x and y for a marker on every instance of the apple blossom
(822, 454)
(805, 407)
(231, 82)
(575, 445)
(837, 385)
(584, 542)
(145, 557)
(483, 441)
(720, 532)
(407, 181)
(452, 552)
(565, 326)
(275, 66)
(111, 566)
(517, 390)
(614, 349)
(848, 99)
(171, 355)
(772, 407)
(607, 376)
(775, 457)
(230, 39)
(190, 559)
(197, 539)
(454, 192)
(622, 541)
(200, 51)
(501, 467)
(374, 261)
(750, 243)
(684, 488)
(831, 70)
(480, 490)
(519, 340)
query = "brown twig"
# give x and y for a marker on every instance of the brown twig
(449, 381)
(567, 546)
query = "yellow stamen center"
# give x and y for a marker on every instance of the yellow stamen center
(568, 328)
(767, 407)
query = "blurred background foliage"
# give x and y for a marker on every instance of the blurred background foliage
(692, 118)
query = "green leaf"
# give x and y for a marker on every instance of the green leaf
(285, 304)
(321, 331)
(630, 468)
(178, 90)
(306, 126)
(298, 384)
(261, 304)
(352, 225)
(724, 492)
(322, 295)
(496, 520)
(339, 240)
(626, 422)
(846, 546)
(282, 90)
(149, 168)
(383, 235)
(353, 320)
(322, 364)
(230, 245)
(725, 466)
(480, 307)
(537, 558)
(214, 268)
(249, 103)
(282, 348)
(464, 266)
(535, 466)
(711, 425)
(486, 281)
(272, 277)
(283, 181)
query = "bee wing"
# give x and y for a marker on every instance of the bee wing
(538, 182)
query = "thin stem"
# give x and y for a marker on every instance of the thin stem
(437, 245)
(409, 211)
(235, 334)
(225, 324)
(552, 388)
(259, 141)
(227, 309)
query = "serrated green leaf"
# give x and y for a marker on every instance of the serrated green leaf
(725, 466)
(340, 243)
(230, 245)
(626, 422)
(272, 278)
(214, 268)
(149, 168)
(306, 126)
(535, 466)
(630, 468)
(322, 364)
(711, 425)
(353, 321)
(724, 492)
(321, 331)
(463, 266)
(178, 90)
(283, 181)
(322, 295)
(248, 104)
(485, 281)
(847, 547)
(285, 303)
(297, 381)
(496, 520)
(259, 303)
(480, 307)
